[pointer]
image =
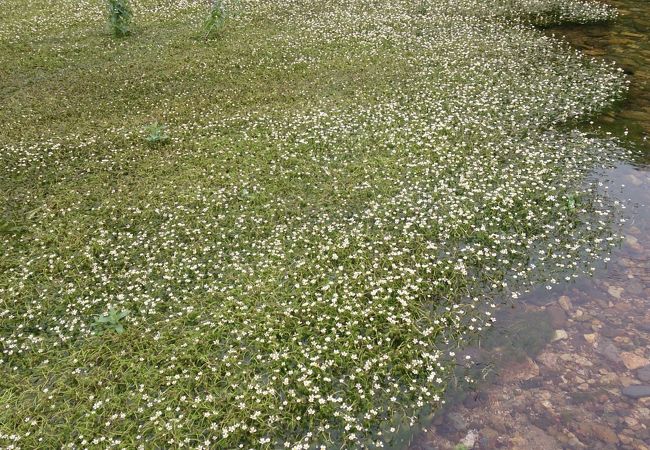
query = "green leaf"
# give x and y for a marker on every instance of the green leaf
(571, 202)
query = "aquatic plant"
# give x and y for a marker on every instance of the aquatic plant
(349, 194)
(220, 11)
(111, 321)
(156, 134)
(119, 17)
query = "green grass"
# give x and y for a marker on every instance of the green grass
(343, 193)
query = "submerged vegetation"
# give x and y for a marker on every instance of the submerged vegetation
(155, 134)
(119, 17)
(347, 190)
(217, 16)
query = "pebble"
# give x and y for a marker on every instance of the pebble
(609, 379)
(560, 335)
(470, 439)
(622, 340)
(636, 391)
(622, 306)
(520, 371)
(534, 438)
(575, 442)
(627, 381)
(643, 373)
(607, 349)
(575, 358)
(604, 433)
(565, 303)
(633, 243)
(633, 361)
(591, 338)
(548, 359)
(615, 291)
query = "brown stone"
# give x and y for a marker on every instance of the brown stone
(622, 306)
(559, 335)
(533, 438)
(548, 359)
(633, 361)
(633, 243)
(565, 303)
(604, 433)
(615, 291)
(625, 439)
(591, 337)
(609, 379)
(520, 371)
(583, 428)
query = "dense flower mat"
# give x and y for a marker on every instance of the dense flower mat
(348, 190)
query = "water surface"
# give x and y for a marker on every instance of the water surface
(570, 368)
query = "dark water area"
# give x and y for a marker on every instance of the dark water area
(569, 368)
(627, 43)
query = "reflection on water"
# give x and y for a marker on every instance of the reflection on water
(571, 368)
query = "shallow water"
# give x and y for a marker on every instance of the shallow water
(627, 43)
(570, 368)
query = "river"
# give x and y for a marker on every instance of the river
(570, 368)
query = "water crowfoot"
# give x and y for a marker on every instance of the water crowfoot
(341, 202)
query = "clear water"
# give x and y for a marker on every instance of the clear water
(569, 368)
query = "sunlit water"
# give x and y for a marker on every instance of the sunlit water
(570, 367)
